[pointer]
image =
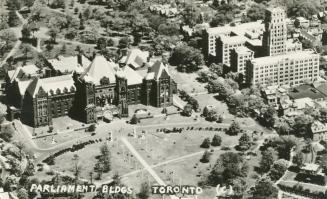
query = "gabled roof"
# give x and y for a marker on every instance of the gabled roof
(58, 83)
(135, 58)
(68, 64)
(23, 72)
(159, 69)
(22, 86)
(99, 68)
(133, 78)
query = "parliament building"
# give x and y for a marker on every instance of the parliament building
(86, 89)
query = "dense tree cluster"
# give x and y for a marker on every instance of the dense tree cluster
(225, 14)
(230, 168)
(186, 58)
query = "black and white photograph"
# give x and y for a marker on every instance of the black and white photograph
(163, 99)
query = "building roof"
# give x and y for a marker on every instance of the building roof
(306, 91)
(4, 195)
(158, 69)
(68, 64)
(59, 83)
(23, 72)
(302, 103)
(242, 50)
(299, 55)
(317, 127)
(135, 58)
(22, 86)
(257, 25)
(233, 40)
(310, 167)
(133, 78)
(99, 68)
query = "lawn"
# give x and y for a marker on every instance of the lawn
(187, 81)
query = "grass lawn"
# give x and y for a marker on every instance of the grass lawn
(87, 159)
(175, 145)
(187, 81)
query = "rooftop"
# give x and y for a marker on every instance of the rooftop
(135, 58)
(99, 68)
(299, 55)
(310, 167)
(239, 28)
(68, 64)
(56, 84)
(243, 50)
(233, 40)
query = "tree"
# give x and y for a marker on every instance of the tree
(205, 143)
(22, 193)
(144, 191)
(7, 35)
(221, 19)
(239, 186)
(264, 188)
(92, 128)
(53, 34)
(102, 44)
(216, 140)
(234, 129)
(134, 120)
(205, 157)
(26, 33)
(9, 183)
(98, 168)
(301, 125)
(245, 142)
(298, 159)
(124, 42)
(269, 156)
(228, 167)
(6, 133)
(105, 158)
(212, 116)
(13, 19)
(186, 58)
(216, 69)
(303, 8)
(191, 15)
(20, 146)
(268, 116)
(278, 169)
(256, 12)
(187, 111)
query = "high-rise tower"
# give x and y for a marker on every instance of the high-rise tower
(275, 35)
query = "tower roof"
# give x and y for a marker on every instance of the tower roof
(99, 68)
(158, 69)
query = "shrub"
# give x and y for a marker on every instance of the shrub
(205, 143)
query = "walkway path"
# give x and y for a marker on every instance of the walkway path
(145, 164)
(18, 42)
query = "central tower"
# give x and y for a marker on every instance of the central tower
(275, 35)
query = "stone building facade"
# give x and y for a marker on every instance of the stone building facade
(101, 87)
